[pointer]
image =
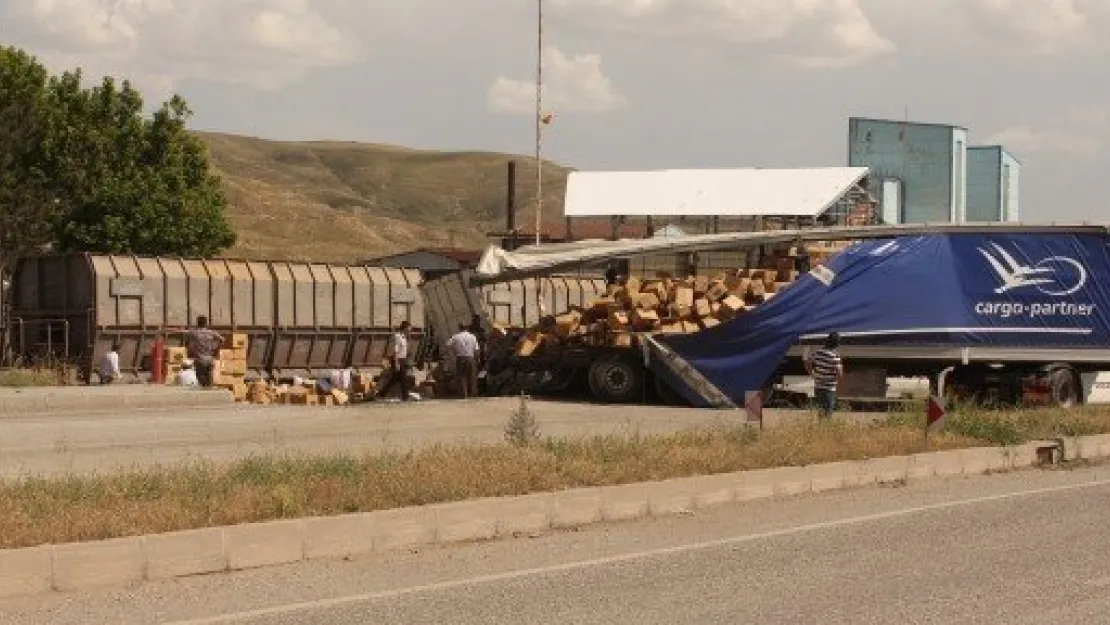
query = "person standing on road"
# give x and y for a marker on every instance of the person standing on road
(827, 369)
(464, 347)
(399, 362)
(109, 366)
(203, 344)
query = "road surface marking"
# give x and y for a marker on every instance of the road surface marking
(234, 617)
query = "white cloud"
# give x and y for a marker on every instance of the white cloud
(1042, 26)
(263, 43)
(570, 84)
(814, 33)
(1025, 139)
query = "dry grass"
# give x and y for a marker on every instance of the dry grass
(25, 378)
(1011, 427)
(40, 510)
(342, 201)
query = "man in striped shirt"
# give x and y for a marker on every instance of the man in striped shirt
(826, 368)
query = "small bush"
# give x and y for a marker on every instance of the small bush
(522, 429)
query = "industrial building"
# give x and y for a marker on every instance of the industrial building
(993, 177)
(927, 173)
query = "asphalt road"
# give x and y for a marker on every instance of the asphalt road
(1023, 548)
(106, 441)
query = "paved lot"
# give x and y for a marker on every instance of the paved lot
(84, 442)
(1021, 548)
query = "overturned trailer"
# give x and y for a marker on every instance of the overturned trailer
(1005, 312)
(511, 307)
(301, 318)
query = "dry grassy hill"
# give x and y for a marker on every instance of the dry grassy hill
(340, 201)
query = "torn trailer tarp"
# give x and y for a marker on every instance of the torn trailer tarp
(499, 264)
(997, 290)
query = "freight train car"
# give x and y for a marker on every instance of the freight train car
(511, 306)
(302, 318)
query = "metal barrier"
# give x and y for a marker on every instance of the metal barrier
(49, 343)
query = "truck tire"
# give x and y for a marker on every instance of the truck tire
(1064, 388)
(616, 381)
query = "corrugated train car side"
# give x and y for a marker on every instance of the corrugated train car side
(301, 318)
(513, 304)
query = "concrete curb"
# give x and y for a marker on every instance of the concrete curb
(34, 401)
(124, 561)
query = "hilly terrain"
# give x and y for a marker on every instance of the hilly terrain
(342, 202)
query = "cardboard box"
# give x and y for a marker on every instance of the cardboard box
(568, 324)
(362, 384)
(530, 344)
(169, 373)
(702, 308)
(717, 291)
(649, 301)
(645, 319)
(603, 305)
(175, 355)
(236, 340)
(732, 305)
(618, 320)
(238, 390)
(234, 367)
(622, 339)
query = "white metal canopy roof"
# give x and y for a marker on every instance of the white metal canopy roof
(708, 192)
(498, 264)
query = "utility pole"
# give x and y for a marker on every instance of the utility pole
(539, 117)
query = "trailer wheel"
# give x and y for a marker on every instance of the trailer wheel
(1065, 389)
(616, 381)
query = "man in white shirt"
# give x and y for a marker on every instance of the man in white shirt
(109, 366)
(464, 346)
(399, 362)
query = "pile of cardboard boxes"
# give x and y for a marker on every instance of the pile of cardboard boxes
(230, 370)
(230, 373)
(671, 306)
(307, 393)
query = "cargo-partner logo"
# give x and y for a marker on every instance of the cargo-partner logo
(1049, 276)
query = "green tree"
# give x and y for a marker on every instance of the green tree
(28, 214)
(98, 175)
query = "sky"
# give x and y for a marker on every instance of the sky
(633, 84)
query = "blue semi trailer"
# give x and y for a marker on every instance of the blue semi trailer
(1003, 313)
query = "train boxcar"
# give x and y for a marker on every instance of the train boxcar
(513, 304)
(302, 318)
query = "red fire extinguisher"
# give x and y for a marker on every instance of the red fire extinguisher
(157, 374)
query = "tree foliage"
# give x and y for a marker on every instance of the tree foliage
(27, 212)
(84, 169)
